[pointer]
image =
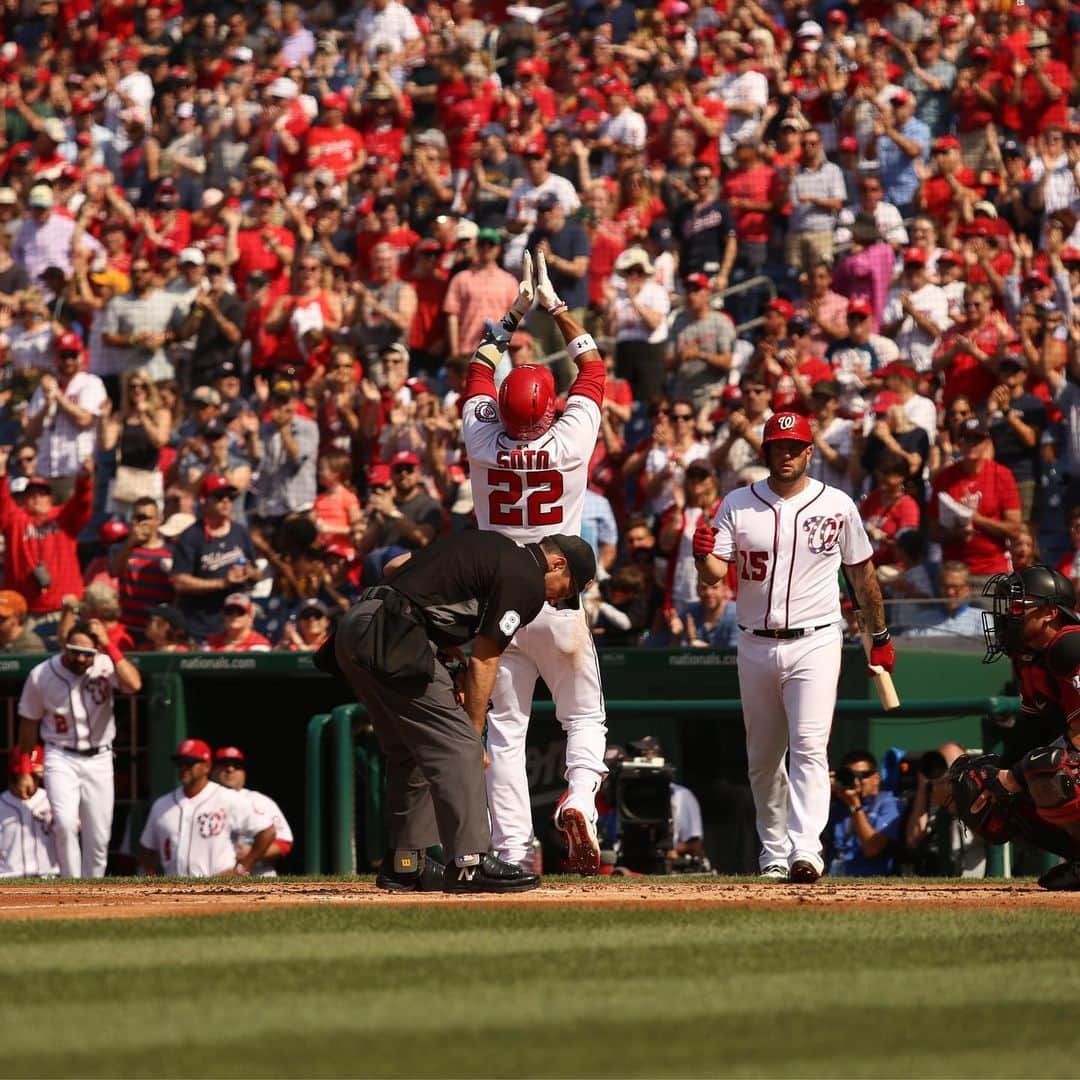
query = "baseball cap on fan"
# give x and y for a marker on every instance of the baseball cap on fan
(580, 561)
(229, 753)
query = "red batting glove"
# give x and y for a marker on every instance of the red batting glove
(704, 539)
(884, 656)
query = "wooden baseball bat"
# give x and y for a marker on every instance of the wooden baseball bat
(883, 683)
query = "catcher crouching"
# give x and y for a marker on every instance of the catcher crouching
(1037, 798)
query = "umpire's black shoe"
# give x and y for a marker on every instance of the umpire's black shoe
(490, 874)
(803, 873)
(1065, 877)
(397, 878)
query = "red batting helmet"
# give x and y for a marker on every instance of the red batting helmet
(787, 425)
(527, 402)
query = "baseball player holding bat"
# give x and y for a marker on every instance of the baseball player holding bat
(529, 472)
(788, 536)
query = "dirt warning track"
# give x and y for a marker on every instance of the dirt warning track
(80, 900)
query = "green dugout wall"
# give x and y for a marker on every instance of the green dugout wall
(263, 702)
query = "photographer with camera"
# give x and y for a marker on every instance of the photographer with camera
(867, 831)
(939, 844)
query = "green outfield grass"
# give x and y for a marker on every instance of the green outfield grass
(434, 991)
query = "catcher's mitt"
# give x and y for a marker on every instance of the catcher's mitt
(1001, 817)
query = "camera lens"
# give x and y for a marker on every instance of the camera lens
(932, 765)
(845, 777)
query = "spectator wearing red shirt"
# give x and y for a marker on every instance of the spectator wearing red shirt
(531, 73)
(427, 337)
(985, 490)
(40, 557)
(384, 121)
(969, 349)
(333, 144)
(282, 129)
(949, 186)
(607, 240)
(1036, 91)
(887, 509)
(239, 634)
(975, 100)
(751, 191)
(263, 246)
(390, 231)
(463, 119)
(703, 116)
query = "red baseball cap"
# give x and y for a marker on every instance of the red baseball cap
(240, 600)
(881, 34)
(69, 342)
(785, 307)
(901, 98)
(904, 371)
(837, 16)
(404, 457)
(215, 484)
(429, 245)
(1070, 254)
(1036, 277)
(229, 753)
(335, 101)
(947, 142)
(980, 52)
(378, 475)
(266, 194)
(192, 750)
(948, 22)
(786, 425)
(849, 144)
(914, 256)
(883, 401)
(534, 148)
(697, 281)
(82, 105)
(948, 256)
(1020, 10)
(860, 306)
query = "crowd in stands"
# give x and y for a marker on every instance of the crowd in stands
(247, 249)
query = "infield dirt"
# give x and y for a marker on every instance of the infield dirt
(81, 900)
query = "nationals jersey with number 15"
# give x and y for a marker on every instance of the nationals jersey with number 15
(528, 490)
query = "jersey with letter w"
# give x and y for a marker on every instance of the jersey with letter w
(529, 490)
(788, 553)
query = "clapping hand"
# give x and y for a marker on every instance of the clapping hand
(546, 295)
(526, 288)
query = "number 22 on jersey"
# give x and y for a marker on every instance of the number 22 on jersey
(525, 498)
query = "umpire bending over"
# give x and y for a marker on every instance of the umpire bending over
(475, 586)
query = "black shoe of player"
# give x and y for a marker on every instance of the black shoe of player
(428, 878)
(489, 875)
(803, 873)
(1064, 877)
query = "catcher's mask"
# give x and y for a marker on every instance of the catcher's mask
(1014, 595)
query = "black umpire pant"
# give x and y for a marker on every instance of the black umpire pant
(435, 789)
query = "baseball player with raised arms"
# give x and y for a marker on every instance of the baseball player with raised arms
(27, 844)
(788, 536)
(190, 830)
(67, 703)
(529, 473)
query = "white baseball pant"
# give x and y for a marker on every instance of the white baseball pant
(558, 647)
(788, 691)
(82, 794)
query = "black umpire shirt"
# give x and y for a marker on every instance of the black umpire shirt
(474, 583)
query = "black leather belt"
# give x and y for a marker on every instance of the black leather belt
(92, 751)
(786, 635)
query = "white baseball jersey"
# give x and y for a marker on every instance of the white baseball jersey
(27, 845)
(76, 711)
(788, 553)
(529, 490)
(194, 837)
(264, 806)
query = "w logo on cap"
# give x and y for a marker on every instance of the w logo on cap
(785, 422)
